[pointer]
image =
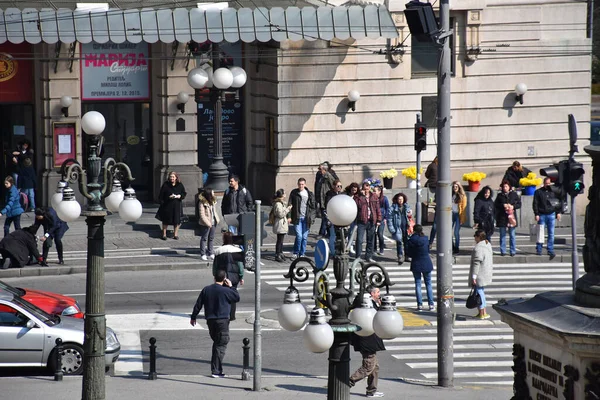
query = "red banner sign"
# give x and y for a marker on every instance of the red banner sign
(16, 73)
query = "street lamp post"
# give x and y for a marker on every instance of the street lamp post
(334, 336)
(68, 209)
(221, 81)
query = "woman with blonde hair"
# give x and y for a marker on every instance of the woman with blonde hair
(459, 213)
(171, 194)
(278, 218)
(208, 219)
(480, 272)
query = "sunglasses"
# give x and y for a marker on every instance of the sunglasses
(338, 185)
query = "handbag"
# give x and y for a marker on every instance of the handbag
(184, 217)
(291, 230)
(474, 300)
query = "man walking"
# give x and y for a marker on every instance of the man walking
(322, 187)
(216, 300)
(368, 219)
(368, 347)
(505, 206)
(236, 200)
(546, 206)
(304, 209)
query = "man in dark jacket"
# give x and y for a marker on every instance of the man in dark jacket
(18, 246)
(546, 207)
(54, 230)
(368, 219)
(514, 173)
(304, 212)
(236, 200)
(230, 259)
(420, 265)
(216, 300)
(324, 186)
(506, 203)
(368, 347)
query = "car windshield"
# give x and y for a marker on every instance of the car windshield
(42, 315)
(11, 289)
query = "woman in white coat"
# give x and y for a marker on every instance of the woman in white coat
(278, 217)
(480, 273)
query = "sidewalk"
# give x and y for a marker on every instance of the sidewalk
(175, 387)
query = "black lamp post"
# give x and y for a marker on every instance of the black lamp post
(223, 80)
(68, 209)
(335, 336)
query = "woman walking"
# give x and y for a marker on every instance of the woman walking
(417, 248)
(483, 212)
(208, 219)
(279, 212)
(505, 205)
(398, 223)
(459, 213)
(480, 273)
(384, 205)
(12, 206)
(171, 194)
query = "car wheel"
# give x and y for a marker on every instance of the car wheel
(72, 359)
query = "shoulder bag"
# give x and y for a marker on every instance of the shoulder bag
(474, 300)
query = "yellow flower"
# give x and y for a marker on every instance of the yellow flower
(530, 180)
(411, 172)
(388, 174)
(474, 176)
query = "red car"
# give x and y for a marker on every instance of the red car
(52, 303)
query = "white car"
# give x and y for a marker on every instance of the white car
(28, 337)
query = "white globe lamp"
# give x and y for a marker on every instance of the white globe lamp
(68, 209)
(363, 317)
(353, 96)
(341, 210)
(130, 209)
(239, 77)
(93, 123)
(388, 322)
(114, 199)
(222, 78)
(197, 78)
(521, 89)
(182, 97)
(318, 335)
(58, 195)
(66, 101)
(292, 314)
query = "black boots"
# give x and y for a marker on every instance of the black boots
(280, 257)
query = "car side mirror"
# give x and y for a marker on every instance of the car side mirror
(30, 324)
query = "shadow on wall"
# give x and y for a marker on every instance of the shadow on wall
(509, 103)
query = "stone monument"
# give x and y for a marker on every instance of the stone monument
(557, 334)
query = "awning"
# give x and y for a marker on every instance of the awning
(182, 25)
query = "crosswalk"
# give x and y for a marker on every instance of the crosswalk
(482, 349)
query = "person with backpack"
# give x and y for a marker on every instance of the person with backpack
(278, 218)
(27, 182)
(230, 258)
(12, 206)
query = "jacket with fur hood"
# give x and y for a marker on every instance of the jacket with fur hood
(206, 212)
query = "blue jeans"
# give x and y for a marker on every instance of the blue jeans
(301, 236)
(30, 193)
(550, 221)
(511, 233)
(400, 234)
(9, 220)
(427, 278)
(379, 238)
(456, 228)
(433, 232)
(323, 227)
(369, 230)
(480, 292)
(332, 237)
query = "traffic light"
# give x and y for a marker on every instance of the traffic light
(420, 136)
(421, 20)
(574, 184)
(556, 172)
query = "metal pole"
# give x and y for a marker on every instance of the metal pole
(95, 321)
(418, 202)
(257, 328)
(443, 216)
(217, 171)
(574, 256)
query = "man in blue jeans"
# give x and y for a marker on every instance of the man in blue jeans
(505, 206)
(546, 206)
(304, 211)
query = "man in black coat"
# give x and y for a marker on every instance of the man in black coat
(236, 200)
(505, 206)
(54, 230)
(368, 347)
(216, 300)
(18, 246)
(546, 208)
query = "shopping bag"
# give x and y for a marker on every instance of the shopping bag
(474, 300)
(292, 230)
(184, 218)
(540, 234)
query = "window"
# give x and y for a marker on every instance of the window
(425, 56)
(11, 317)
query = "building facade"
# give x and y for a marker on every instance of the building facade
(293, 112)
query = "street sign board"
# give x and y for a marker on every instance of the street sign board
(322, 254)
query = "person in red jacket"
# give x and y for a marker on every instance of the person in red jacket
(368, 219)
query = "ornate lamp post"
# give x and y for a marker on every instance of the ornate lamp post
(68, 209)
(221, 81)
(334, 336)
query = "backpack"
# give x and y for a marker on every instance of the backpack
(23, 201)
(272, 216)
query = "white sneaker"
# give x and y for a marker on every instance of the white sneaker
(204, 258)
(294, 256)
(376, 394)
(212, 256)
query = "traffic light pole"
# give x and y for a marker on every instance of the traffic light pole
(574, 256)
(418, 203)
(443, 212)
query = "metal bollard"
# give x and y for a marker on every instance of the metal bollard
(246, 367)
(152, 374)
(58, 373)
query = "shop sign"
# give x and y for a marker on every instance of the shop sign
(111, 71)
(16, 73)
